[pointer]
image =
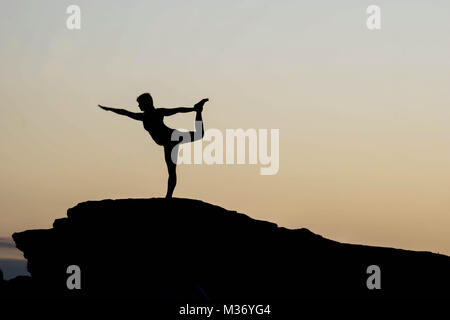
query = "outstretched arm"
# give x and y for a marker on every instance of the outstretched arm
(197, 107)
(132, 115)
(170, 112)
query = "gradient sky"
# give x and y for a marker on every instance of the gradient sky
(363, 115)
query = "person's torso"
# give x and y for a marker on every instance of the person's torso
(154, 124)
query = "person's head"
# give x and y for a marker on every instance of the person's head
(145, 101)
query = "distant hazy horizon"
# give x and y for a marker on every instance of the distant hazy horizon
(363, 115)
(12, 262)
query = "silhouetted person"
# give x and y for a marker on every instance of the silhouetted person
(152, 119)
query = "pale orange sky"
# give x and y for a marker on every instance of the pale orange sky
(363, 115)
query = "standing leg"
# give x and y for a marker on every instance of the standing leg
(171, 167)
(171, 149)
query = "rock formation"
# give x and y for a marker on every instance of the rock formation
(182, 249)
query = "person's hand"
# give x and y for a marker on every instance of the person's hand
(199, 105)
(104, 108)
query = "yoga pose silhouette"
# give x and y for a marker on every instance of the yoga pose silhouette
(169, 138)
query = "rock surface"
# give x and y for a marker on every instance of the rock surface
(186, 249)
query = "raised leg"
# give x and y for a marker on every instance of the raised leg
(199, 130)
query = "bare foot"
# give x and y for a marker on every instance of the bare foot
(199, 105)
